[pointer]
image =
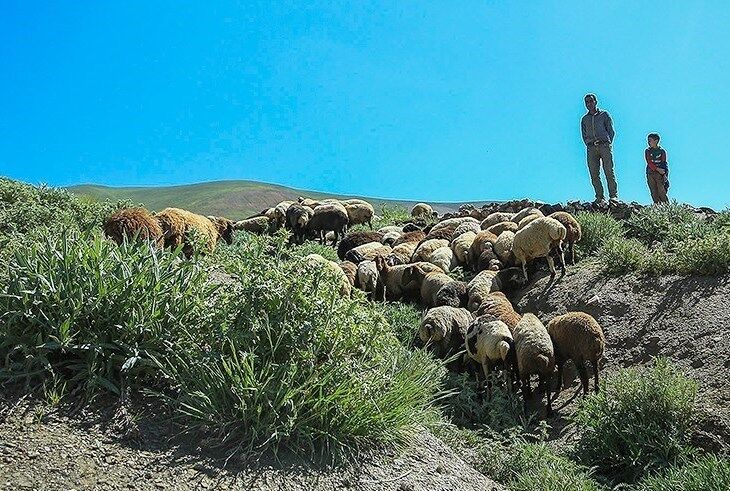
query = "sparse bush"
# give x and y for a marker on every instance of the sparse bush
(639, 423)
(536, 467)
(404, 320)
(653, 223)
(709, 473)
(597, 228)
(620, 255)
(709, 255)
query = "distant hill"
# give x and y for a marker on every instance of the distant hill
(233, 199)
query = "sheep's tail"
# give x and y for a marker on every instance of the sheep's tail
(557, 233)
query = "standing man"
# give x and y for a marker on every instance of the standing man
(597, 130)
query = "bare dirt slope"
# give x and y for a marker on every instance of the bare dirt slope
(60, 453)
(686, 319)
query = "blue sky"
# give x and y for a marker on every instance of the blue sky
(416, 100)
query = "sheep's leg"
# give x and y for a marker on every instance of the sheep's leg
(526, 393)
(488, 381)
(551, 264)
(370, 222)
(549, 409)
(561, 256)
(524, 269)
(560, 378)
(571, 247)
(581, 366)
(595, 374)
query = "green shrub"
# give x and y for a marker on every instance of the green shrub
(620, 255)
(653, 223)
(596, 229)
(709, 473)
(639, 423)
(708, 255)
(535, 467)
(404, 320)
(79, 306)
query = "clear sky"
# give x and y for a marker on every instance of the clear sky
(413, 100)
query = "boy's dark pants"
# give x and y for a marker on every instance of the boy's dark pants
(655, 180)
(598, 154)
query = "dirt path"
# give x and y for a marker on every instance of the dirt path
(59, 453)
(686, 319)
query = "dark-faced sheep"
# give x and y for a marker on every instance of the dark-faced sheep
(577, 336)
(127, 223)
(328, 217)
(573, 232)
(452, 294)
(535, 355)
(297, 217)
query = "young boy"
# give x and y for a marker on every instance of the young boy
(657, 170)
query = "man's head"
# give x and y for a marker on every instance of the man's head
(591, 101)
(653, 139)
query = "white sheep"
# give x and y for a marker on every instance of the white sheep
(489, 342)
(422, 210)
(503, 247)
(461, 246)
(444, 258)
(367, 252)
(442, 331)
(360, 213)
(425, 248)
(480, 286)
(538, 239)
(524, 212)
(495, 218)
(367, 276)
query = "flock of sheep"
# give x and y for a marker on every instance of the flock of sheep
(412, 262)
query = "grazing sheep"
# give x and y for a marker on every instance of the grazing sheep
(498, 305)
(318, 262)
(350, 270)
(495, 218)
(461, 246)
(466, 227)
(280, 212)
(297, 217)
(127, 223)
(328, 217)
(367, 276)
(354, 239)
(483, 241)
(453, 294)
(412, 227)
(178, 224)
(489, 260)
(524, 212)
(480, 286)
(537, 239)
(308, 202)
(529, 218)
(441, 233)
(393, 286)
(354, 201)
(359, 213)
(442, 331)
(367, 252)
(573, 232)
(389, 238)
(452, 223)
(430, 283)
(422, 210)
(577, 336)
(503, 247)
(415, 236)
(224, 227)
(256, 225)
(500, 227)
(444, 258)
(535, 355)
(390, 228)
(425, 248)
(489, 342)
(402, 253)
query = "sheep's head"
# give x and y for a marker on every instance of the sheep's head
(224, 227)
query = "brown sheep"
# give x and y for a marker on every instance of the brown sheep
(484, 240)
(415, 236)
(577, 336)
(350, 270)
(573, 231)
(124, 224)
(354, 239)
(498, 305)
(177, 224)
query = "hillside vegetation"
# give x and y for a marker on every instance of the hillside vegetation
(233, 199)
(253, 352)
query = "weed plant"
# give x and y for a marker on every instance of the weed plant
(639, 423)
(707, 473)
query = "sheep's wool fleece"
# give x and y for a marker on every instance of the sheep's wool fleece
(489, 333)
(535, 239)
(535, 353)
(439, 321)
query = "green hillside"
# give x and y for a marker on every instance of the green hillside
(233, 199)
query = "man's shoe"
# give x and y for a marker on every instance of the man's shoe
(599, 202)
(613, 201)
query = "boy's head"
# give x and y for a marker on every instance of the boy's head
(653, 139)
(590, 101)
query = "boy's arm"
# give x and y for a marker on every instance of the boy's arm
(647, 156)
(584, 131)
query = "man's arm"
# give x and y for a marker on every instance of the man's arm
(584, 131)
(609, 127)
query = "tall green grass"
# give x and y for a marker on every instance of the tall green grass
(707, 473)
